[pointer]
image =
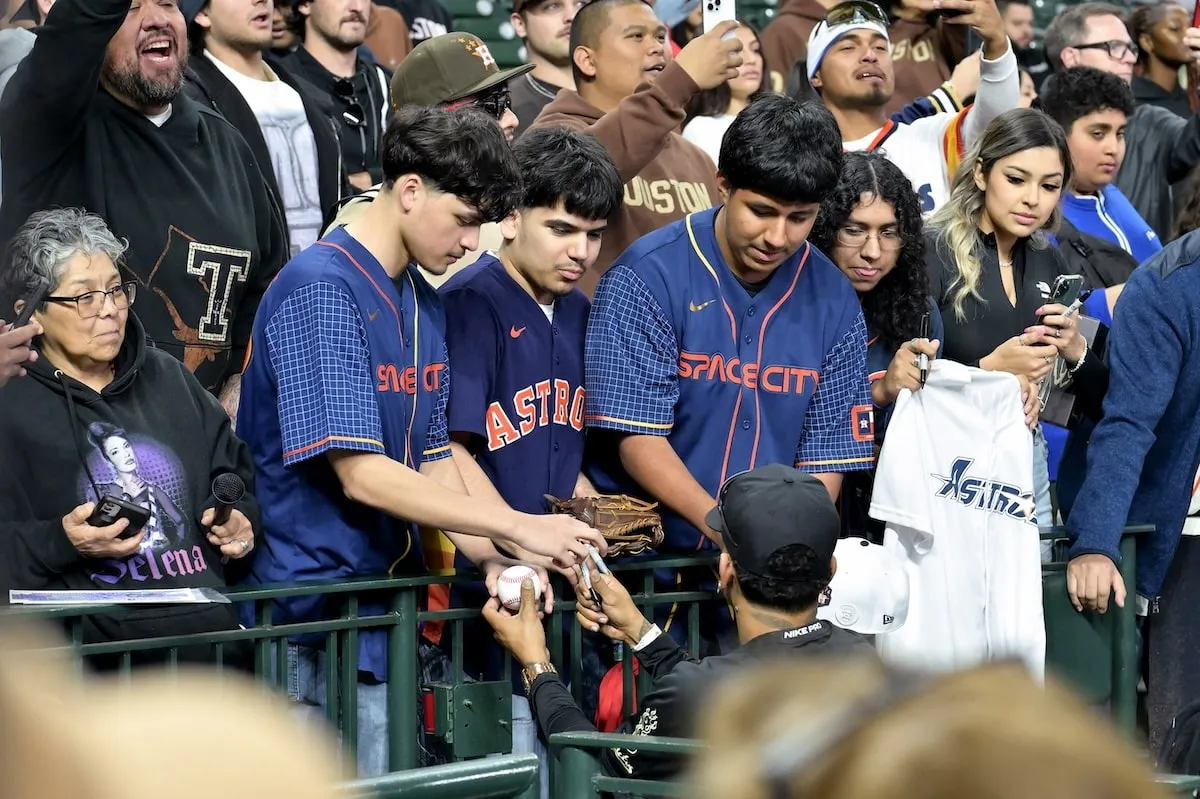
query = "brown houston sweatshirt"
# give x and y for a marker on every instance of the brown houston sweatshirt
(785, 39)
(665, 176)
(923, 56)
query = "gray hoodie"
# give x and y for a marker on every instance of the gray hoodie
(15, 44)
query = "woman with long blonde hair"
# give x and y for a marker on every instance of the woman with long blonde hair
(991, 267)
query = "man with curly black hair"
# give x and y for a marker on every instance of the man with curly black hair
(1093, 108)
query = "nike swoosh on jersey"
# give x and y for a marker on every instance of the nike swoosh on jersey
(371, 315)
(694, 307)
(516, 332)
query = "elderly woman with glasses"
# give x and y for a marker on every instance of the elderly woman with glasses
(870, 226)
(110, 448)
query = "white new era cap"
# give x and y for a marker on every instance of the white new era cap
(869, 592)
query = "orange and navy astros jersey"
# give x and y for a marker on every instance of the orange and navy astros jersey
(677, 347)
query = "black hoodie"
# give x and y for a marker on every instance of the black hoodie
(204, 237)
(168, 435)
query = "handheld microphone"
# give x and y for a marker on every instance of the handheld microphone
(228, 490)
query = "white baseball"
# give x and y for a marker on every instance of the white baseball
(509, 586)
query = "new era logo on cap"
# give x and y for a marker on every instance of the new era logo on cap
(869, 591)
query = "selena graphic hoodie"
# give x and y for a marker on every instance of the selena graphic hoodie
(153, 437)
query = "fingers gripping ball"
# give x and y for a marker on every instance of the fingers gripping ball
(509, 586)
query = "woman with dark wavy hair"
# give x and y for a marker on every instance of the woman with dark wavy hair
(870, 226)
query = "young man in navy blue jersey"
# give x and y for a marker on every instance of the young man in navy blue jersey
(347, 385)
(515, 325)
(725, 341)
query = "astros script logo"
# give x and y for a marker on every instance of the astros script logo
(990, 495)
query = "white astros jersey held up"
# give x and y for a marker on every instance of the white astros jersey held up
(954, 487)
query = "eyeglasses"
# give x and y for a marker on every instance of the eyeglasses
(493, 102)
(855, 11)
(1116, 48)
(856, 237)
(91, 303)
(354, 114)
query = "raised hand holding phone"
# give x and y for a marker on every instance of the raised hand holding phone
(714, 57)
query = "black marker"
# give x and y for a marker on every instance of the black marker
(922, 358)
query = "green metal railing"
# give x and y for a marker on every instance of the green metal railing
(1094, 654)
(494, 778)
(576, 770)
(580, 775)
(401, 621)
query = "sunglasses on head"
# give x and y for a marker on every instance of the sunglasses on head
(855, 11)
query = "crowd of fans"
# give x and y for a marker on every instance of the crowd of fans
(331, 248)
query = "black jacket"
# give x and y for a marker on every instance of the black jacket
(1161, 149)
(164, 439)
(204, 237)
(682, 686)
(206, 85)
(1102, 263)
(362, 144)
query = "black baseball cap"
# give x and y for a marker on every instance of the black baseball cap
(764, 510)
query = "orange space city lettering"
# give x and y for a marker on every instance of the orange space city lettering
(405, 380)
(773, 378)
(535, 406)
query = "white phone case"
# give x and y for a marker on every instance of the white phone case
(717, 11)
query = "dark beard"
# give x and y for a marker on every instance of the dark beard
(145, 93)
(878, 97)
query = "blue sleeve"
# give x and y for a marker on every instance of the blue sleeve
(1145, 357)
(318, 350)
(1096, 306)
(941, 101)
(937, 331)
(437, 443)
(473, 344)
(631, 358)
(839, 433)
(917, 109)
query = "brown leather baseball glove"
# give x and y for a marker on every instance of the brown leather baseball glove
(629, 525)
